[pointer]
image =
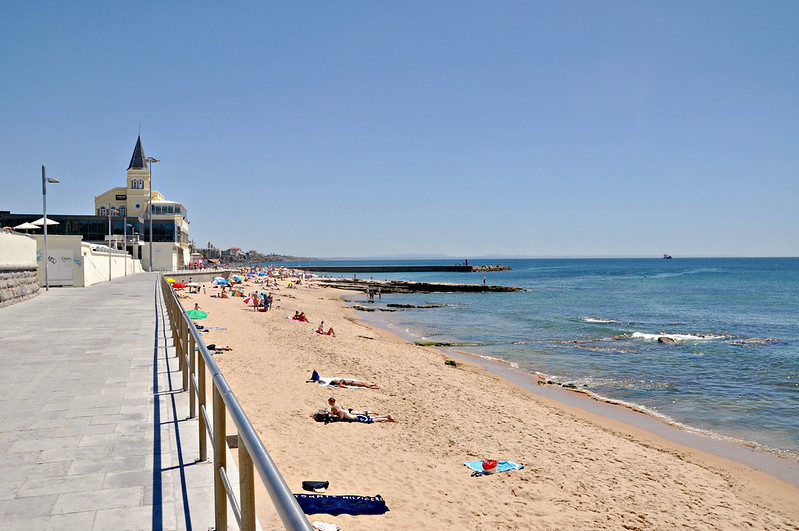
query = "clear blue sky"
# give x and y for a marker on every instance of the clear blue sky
(452, 127)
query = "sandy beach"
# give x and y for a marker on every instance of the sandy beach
(580, 470)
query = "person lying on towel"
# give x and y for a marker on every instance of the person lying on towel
(217, 348)
(356, 416)
(344, 382)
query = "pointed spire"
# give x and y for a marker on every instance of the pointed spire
(137, 161)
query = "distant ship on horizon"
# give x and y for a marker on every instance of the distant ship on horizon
(666, 256)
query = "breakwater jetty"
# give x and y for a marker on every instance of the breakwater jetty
(402, 268)
(407, 286)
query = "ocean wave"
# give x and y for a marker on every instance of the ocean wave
(679, 337)
(598, 320)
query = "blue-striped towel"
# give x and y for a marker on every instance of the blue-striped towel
(502, 466)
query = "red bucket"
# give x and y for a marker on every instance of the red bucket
(489, 466)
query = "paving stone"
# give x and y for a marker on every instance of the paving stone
(60, 484)
(96, 500)
(86, 453)
(29, 445)
(135, 519)
(31, 507)
(57, 522)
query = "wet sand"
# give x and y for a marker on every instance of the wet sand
(581, 469)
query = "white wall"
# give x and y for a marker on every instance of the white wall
(17, 250)
(88, 266)
(165, 256)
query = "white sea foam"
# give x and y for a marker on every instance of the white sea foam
(597, 320)
(678, 337)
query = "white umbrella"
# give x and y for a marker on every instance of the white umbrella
(26, 226)
(40, 222)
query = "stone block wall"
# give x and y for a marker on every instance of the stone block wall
(17, 284)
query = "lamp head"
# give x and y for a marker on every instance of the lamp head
(52, 180)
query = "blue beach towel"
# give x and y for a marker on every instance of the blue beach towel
(336, 505)
(502, 466)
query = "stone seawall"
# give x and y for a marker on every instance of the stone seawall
(17, 284)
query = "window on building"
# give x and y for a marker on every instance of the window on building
(102, 211)
(123, 211)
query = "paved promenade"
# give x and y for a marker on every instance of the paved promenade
(93, 427)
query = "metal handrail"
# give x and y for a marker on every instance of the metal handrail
(252, 453)
(231, 496)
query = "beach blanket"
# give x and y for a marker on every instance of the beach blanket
(323, 380)
(336, 505)
(502, 466)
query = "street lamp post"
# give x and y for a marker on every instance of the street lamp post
(109, 244)
(45, 180)
(150, 161)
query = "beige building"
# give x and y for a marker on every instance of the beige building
(170, 227)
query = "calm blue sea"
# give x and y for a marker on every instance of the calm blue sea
(732, 371)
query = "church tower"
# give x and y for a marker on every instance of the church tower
(138, 185)
(138, 173)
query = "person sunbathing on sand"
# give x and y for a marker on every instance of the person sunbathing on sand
(344, 382)
(217, 348)
(321, 330)
(302, 317)
(356, 416)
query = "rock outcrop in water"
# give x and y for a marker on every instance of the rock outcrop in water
(407, 286)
